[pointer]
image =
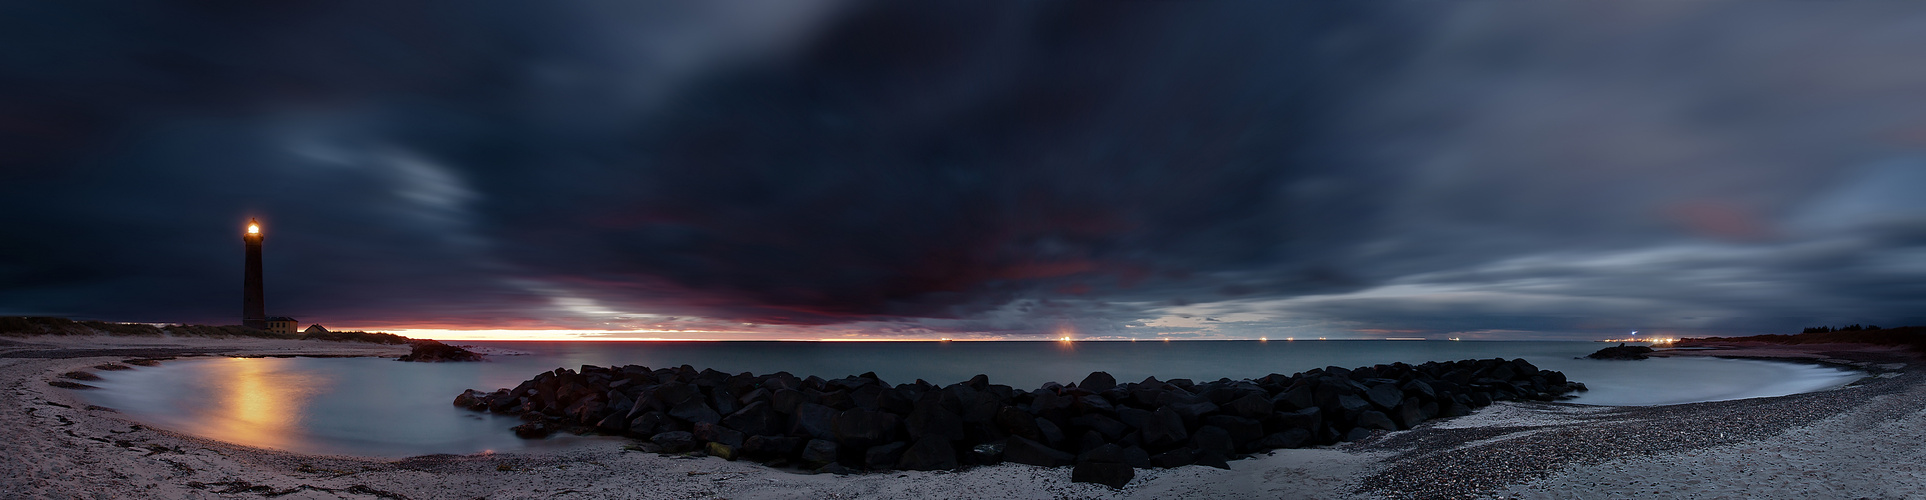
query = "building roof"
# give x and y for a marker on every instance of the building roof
(316, 328)
(280, 318)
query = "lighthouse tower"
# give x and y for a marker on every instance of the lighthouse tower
(253, 305)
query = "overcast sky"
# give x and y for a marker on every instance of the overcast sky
(792, 169)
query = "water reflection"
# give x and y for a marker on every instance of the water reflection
(335, 406)
(255, 403)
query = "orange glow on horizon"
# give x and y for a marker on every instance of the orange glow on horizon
(455, 333)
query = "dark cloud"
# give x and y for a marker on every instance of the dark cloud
(1130, 170)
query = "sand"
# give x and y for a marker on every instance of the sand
(1860, 441)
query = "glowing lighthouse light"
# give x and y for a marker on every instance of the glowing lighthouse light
(253, 228)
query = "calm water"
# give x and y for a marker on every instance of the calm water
(380, 407)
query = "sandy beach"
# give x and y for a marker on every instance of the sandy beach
(1867, 440)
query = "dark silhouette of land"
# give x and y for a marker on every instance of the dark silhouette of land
(1909, 336)
(23, 326)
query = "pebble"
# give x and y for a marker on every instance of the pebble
(1445, 463)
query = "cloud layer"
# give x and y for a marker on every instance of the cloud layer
(828, 169)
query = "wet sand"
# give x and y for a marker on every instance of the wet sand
(1865, 440)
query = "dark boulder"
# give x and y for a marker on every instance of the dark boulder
(1351, 405)
(860, 429)
(1212, 459)
(1293, 438)
(981, 408)
(1164, 428)
(1097, 382)
(1299, 397)
(1107, 453)
(1385, 396)
(1250, 406)
(757, 419)
(614, 422)
(1017, 422)
(785, 401)
(1242, 430)
(1373, 419)
(1052, 435)
(1191, 412)
(929, 418)
(1093, 404)
(469, 398)
(1133, 418)
(931, 452)
(1114, 475)
(1409, 413)
(884, 456)
(534, 430)
(817, 453)
(1110, 428)
(1356, 434)
(815, 421)
(1308, 419)
(724, 401)
(1136, 457)
(771, 446)
(648, 424)
(1420, 389)
(713, 433)
(898, 401)
(1025, 451)
(675, 441)
(1211, 439)
(694, 410)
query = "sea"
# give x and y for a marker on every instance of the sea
(376, 407)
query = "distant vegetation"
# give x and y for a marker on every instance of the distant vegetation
(1911, 336)
(22, 326)
(1848, 328)
(369, 337)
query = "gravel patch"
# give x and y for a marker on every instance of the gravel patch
(1462, 459)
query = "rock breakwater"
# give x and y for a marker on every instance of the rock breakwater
(1102, 427)
(429, 351)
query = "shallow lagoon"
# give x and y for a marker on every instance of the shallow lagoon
(383, 408)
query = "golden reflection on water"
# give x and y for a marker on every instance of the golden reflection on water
(255, 404)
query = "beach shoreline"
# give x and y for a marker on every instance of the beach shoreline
(61, 447)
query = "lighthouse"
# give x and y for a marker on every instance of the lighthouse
(253, 305)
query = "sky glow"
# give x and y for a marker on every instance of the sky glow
(862, 171)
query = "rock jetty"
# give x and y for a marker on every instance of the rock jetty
(429, 351)
(1622, 351)
(1103, 428)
